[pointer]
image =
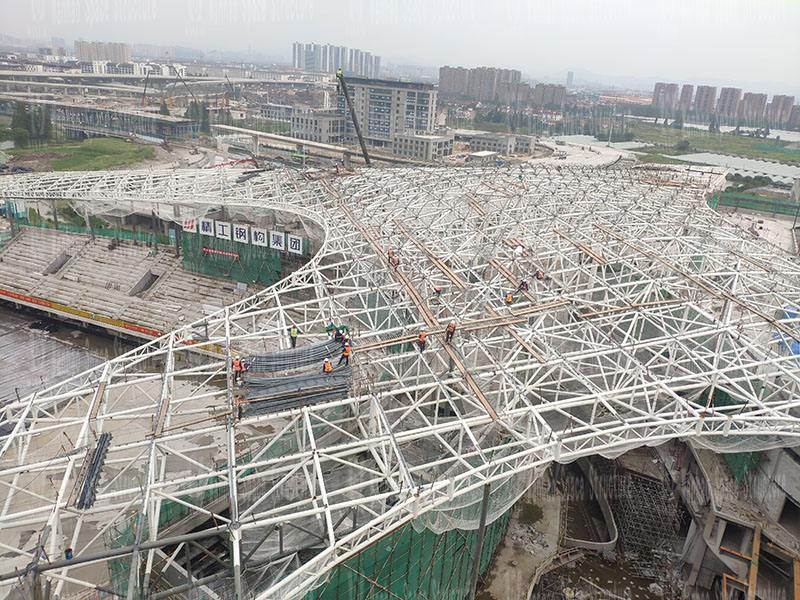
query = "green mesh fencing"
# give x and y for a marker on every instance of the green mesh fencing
(740, 463)
(409, 564)
(122, 234)
(753, 203)
(247, 263)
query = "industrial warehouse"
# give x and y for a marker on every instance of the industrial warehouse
(659, 334)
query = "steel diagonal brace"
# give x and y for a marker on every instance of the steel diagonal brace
(393, 441)
(320, 478)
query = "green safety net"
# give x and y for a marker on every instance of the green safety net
(413, 564)
(247, 263)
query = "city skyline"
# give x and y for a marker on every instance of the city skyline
(544, 40)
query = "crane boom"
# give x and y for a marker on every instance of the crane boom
(340, 77)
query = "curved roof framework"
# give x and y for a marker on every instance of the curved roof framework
(656, 319)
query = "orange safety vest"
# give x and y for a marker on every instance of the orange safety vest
(509, 298)
(390, 252)
(237, 365)
(539, 275)
(346, 351)
(451, 327)
(328, 367)
(422, 336)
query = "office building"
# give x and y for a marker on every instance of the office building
(665, 95)
(502, 143)
(277, 112)
(685, 102)
(751, 108)
(728, 103)
(705, 99)
(387, 110)
(317, 125)
(423, 146)
(327, 58)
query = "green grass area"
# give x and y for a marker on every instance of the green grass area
(666, 138)
(659, 155)
(91, 155)
(264, 125)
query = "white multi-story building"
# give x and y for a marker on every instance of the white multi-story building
(386, 109)
(328, 59)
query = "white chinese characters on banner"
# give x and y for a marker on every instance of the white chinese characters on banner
(241, 233)
(206, 226)
(223, 230)
(277, 240)
(259, 237)
(295, 244)
(245, 234)
(190, 224)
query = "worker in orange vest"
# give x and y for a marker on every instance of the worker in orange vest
(389, 255)
(539, 274)
(451, 329)
(438, 291)
(237, 368)
(523, 286)
(327, 367)
(345, 358)
(509, 298)
(421, 340)
(395, 262)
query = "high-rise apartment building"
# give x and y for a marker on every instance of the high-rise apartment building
(685, 102)
(665, 95)
(327, 58)
(751, 108)
(779, 111)
(454, 81)
(483, 84)
(728, 103)
(570, 77)
(705, 98)
(110, 51)
(548, 94)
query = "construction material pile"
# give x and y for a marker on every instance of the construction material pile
(269, 394)
(299, 357)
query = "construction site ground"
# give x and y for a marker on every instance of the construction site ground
(531, 539)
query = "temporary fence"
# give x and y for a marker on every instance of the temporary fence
(144, 236)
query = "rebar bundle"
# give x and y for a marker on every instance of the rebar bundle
(270, 394)
(298, 357)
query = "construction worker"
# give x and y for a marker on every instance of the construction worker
(338, 73)
(422, 339)
(509, 298)
(347, 341)
(237, 368)
(539, 274)
(327, 367)
(244, 365)
(389, 255)
(451, 329)
(523, 286)
(438, 291)
(345, 357)
(395, 261)
(293, 333)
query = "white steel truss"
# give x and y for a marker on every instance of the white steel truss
(656, 319)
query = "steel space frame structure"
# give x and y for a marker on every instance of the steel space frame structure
(652, 308)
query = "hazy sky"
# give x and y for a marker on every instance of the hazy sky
(680, 40)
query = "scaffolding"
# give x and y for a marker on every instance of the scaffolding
(649, 299)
